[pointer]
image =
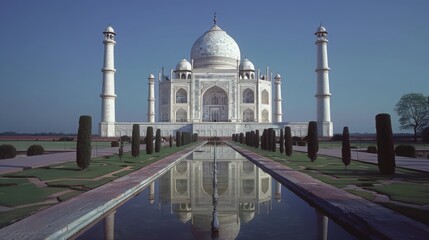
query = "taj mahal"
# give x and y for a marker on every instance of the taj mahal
(215, 93)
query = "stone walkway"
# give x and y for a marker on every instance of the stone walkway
(371, 220)
(419, 164)
(21, 163)
(65, 219)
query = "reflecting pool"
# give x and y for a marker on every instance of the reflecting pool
(229, 198)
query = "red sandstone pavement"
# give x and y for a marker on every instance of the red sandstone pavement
(20, 163)
(419, 164)
(371, 220)
(64, 219)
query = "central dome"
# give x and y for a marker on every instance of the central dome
(215, 49)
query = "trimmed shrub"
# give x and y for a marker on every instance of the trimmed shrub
(195, 137)
(312, 141)
(241, 138)
(125, 138)
(273, 140)
(178, 138)
(7, 151)
(114, 144)
(302, 143)
(64, 139)
(257, 139)
(149, 140)
(83, 146)
(295, 140)
(405, 151)
(34, 150)
(135, 143)
(386, 153)
(158, 140)
(288, 141)
(282, 142)
(170, 141)
(371, 149)
(345, 149)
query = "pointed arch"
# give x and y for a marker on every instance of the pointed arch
(248, 115)
(265, 115)
(265, 98)
(248, 96)
(215, 105)
(181, 115)
(181, 96)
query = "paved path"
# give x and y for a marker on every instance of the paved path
(65, 219)
(419, 164)
(21, 163)
(370, 220)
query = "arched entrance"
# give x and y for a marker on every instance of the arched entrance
(215, 105)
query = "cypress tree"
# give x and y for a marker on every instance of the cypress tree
(195, 137)
(121, 151)
(274, 140)
(312, 141)
(135, 141)
(270, 139)
(345, 149)
(83, 146)
(252, 139)
(171, 141)
(158, 140)
(241, 138)
(183, 139)
(257, 139)
(149, 140)
(282, 142)
(178, 138)
(288, 141)
(265, 139)
(386, 152)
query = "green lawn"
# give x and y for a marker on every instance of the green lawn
(16, 190)
(408, 186)
(51, 145)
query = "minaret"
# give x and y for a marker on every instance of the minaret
(278, 99)
(323, 96)
(151, 100)
(107, 124)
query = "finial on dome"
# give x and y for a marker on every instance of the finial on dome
(214, 19)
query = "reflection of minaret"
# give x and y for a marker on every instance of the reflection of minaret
(215, 220)
(278, 193)
(322, 226)
(109, 226)
(152, 193)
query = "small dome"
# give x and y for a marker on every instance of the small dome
(246, 65)
(109, 29)
(151, 76)
(321, 29)
(183, 65)
(277, 76)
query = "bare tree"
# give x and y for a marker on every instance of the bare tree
(413, 111)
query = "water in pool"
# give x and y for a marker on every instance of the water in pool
(189, 200)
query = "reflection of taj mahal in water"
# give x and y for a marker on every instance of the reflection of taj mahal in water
(242, 188)
(216, 92)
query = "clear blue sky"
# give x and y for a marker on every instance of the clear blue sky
(51, 54)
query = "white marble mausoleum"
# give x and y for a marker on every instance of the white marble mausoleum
(214, 93)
